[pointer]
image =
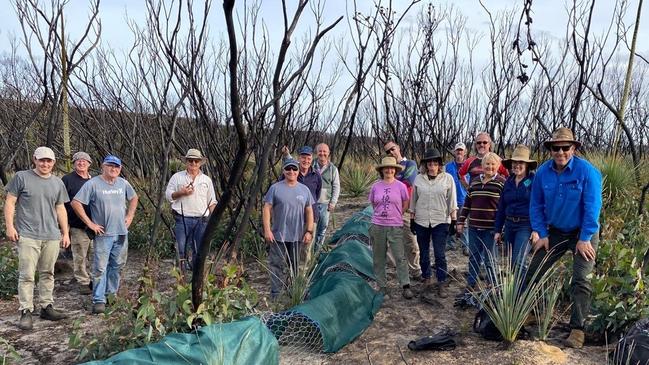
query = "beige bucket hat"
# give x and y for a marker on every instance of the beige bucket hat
(388, 161)
(522, 154)
(562, 134)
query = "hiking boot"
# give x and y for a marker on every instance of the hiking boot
(85, 289)
(442, 290)
(576, 339)
(407, 292)
(98, 308)
(25, 322)
(52, 314)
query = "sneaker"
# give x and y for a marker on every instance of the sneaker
(25, 322)
(85, 289)
(407, 293)
(576, 339)
(51, 314)
(98, 308)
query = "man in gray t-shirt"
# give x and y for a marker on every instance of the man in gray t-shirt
(106, 195)
(288, 204)
(37, 198)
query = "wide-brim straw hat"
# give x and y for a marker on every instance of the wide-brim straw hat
(431, 154)
(193, 154)
(562, 134)
(521, 154)
(388, 161)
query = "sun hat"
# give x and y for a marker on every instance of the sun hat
(459, 146)
(44, 152)
(113, 159)
(81, 156)
(522, 154)
(305, 150)
(388, 161)
(290, 162)
(562, 134)
(193, 154)
(430, 155)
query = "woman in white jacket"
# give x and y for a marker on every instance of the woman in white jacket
(433, 206)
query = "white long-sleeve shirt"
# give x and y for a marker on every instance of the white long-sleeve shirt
(434, 200)
(197, 204)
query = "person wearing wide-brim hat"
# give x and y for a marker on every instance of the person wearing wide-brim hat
(389, 198)
(192, 197)
(433, 207)
(565, 205)
(513, 212)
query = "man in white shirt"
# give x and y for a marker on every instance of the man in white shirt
(192, 198)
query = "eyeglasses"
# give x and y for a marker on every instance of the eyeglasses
(192, 160)
(290, 168)
(389, 150)
(482, 142)
(556, 148)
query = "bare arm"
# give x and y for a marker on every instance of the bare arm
(62, 217)
(268, 233)
(130, 213)
(81, 213)
(9, 210)
(308, 223)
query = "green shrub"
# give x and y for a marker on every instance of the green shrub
(618, 176)
(357, 179)
(8, 272)
(8, 354)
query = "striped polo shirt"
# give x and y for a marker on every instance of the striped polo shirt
(481, 202)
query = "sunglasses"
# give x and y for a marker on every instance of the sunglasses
(482, 142)
(290, 168)
(562, 148)
(390, 150)
(192, 160)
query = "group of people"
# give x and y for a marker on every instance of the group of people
(550, 211)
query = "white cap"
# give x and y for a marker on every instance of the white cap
(44, 152)
(459, 146)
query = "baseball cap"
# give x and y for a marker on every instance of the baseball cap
(459, 146)
(305, 150)
(44, 152)
(113, 159)
(81, 156)
(290, 162)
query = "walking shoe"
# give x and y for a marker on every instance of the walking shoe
(25, 322)
(407, 292)
(576, 339)
(52, 314)
(441, 290)
(85, 289)
(98, 308)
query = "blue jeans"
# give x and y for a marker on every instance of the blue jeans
(517, 236)
(109, 257)
(321, 228)
(438, 236)
(189, 230)
(481, 247)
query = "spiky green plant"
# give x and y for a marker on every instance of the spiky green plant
(357, 179)
(509, 301)
(618, 175)
(543, 309)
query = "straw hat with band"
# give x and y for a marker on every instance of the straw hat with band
(562, 134)
(193, 154)
(431, 154)
(388, 161)
(521, 154)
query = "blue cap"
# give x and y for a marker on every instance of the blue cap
(113, 159)
(305, 150)
(290, 162)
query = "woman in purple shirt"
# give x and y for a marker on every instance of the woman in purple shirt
(389, 198)
(514, 206)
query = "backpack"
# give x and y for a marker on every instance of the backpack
(633, 347)
(483, 325)
(441, 341)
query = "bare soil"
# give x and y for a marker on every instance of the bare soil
(384, 342)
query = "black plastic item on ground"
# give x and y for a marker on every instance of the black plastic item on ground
(442, 341)
(483, 325)
(633, 347)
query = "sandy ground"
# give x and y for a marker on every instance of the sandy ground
(384, 342)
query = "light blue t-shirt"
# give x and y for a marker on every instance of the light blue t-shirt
(107, 203)
(288, 210)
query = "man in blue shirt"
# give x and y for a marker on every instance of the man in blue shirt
(564, 214)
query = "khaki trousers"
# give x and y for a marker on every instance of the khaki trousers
(36, 255)
(411, 248)
(81, 252)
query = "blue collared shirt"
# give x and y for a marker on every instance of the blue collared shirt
(567, 201)
(452, 168)
(514, 201)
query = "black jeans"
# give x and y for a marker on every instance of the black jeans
(438, 236)
(580, 288)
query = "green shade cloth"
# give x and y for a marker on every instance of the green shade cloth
(359, 223)
(246, 341)
(342, 305)
(352, 253)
